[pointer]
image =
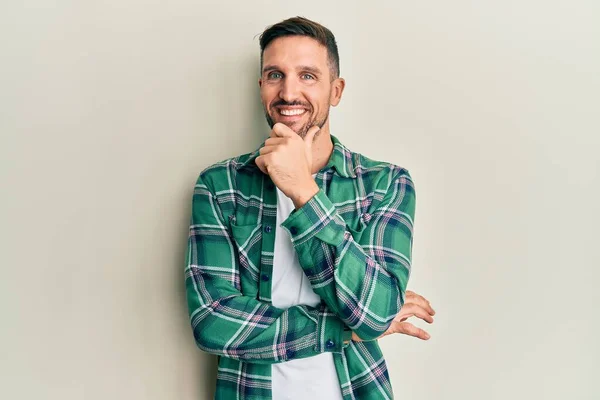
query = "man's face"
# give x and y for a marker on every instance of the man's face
(295, 84)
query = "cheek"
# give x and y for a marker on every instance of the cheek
(320, 100)
(266, 95)
(264, 98)
(319, 106)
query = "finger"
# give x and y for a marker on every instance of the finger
(282, 130)
(310, 135)
(412, 297)
(414, 310)
(410, 309)
(260, 163)
(275, 140)
(407, 328)
(267, 149)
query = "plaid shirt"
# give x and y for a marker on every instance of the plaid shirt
(354, 243)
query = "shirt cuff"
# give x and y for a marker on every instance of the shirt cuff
(334, 335)
(317, 217)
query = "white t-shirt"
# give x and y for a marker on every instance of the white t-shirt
(306, 378)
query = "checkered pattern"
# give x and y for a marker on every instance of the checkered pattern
(354, 242)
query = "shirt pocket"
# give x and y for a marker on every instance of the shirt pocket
(248, 248)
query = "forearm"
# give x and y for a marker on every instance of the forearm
(364, 280)
(228, 323)
(243, 328)
(364, 294)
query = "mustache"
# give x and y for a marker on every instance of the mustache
(289, 104)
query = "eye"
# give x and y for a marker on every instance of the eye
(274, 75)
(307, 76)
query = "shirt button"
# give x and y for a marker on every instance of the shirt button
(264, 277)
(329, 343)
(268, 228)
(293, 230)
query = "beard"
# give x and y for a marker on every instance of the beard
(318, 120)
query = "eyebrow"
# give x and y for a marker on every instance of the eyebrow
(307, 68)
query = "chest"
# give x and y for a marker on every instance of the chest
(253, 211)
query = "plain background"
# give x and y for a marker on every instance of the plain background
(110, 109)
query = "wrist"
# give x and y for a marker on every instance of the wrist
(304, 194)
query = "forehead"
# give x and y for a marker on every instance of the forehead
(291, 51)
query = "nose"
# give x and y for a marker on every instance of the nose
(289, 90)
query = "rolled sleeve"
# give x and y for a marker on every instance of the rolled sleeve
(316, 218)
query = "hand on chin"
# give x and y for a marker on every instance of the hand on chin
(296, 127)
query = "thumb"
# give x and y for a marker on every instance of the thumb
(310, 135)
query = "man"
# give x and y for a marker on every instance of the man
(299, 252)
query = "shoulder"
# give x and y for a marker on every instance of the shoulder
(220, 175)
(383, 173)
(386, 183)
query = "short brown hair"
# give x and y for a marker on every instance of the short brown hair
(300, 26)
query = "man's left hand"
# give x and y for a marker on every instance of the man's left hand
(287, 159)
(414, 306)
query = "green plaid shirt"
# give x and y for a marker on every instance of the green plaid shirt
(354, 243)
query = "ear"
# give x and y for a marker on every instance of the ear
(260, 82)
(337, 88)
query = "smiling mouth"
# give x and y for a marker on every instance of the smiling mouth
(291, 112)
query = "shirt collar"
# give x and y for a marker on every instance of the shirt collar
(341, 159)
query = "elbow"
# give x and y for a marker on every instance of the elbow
(201, 336)
(202, 322)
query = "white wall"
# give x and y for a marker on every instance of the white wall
(109, 110)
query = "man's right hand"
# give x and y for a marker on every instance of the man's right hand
(415, 305)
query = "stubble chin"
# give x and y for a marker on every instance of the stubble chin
(300, 129)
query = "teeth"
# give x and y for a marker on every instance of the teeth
(291, 112)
